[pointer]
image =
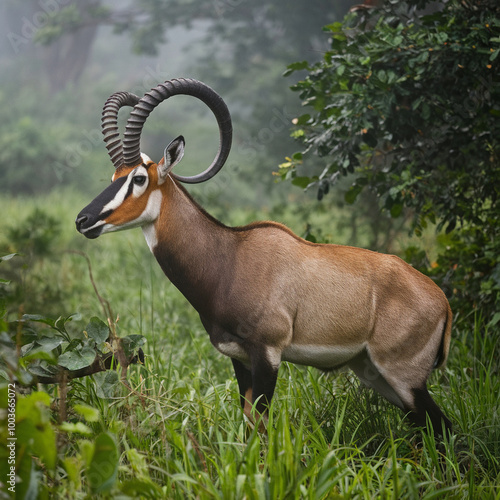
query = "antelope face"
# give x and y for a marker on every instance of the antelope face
(134, 197)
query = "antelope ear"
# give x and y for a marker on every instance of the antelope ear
(172, 155)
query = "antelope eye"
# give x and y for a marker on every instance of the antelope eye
(139, 179)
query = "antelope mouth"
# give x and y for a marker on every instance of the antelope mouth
(90, 232)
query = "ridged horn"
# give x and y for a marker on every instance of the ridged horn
(181, 86)
(109, 124)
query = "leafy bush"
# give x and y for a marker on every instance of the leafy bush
(53, 355)
(34, 241)
(407, 105)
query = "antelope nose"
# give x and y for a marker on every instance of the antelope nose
(80, 220)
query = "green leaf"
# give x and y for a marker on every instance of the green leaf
(76, 360)
(60, 323)
(103, 468)
(303, 119)
(44, 344)
(352, 193)
(39, 318)
(97, 330)
(107, 383)
(33, 427)
(8, 257)
(396, 210)
(28, 488)
(76, 428)
(131, 342)
(141, 488)
(72, 467)
(297, 66)
(495, 319)
(416, 103)
(89, 413)
(302, 182)
(334, 27)
(297, 133)
(43, 370)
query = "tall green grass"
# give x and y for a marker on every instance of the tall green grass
(180, 432)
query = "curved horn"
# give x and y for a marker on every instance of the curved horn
(181, 86)
(109, 124)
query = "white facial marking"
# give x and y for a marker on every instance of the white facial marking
(97, 224)
(119, 196)
(139, 189)
(150, 213)
(320, 356)
(149, 232)
(148, 217)
(145, 158)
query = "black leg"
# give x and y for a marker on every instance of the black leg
(425, 405)
(256, 386)
(264, 376)
(244, 378)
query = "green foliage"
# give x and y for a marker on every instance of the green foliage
(37, 235)
(56, 349)
(35, 436)
(407, 105)
(54, 355)
(34, 240)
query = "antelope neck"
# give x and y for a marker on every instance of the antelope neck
(193, 249)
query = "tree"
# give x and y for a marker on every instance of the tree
(407, 104)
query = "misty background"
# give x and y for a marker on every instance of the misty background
(60, 61)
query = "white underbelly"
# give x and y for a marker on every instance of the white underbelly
(233, 350)
(326, 357)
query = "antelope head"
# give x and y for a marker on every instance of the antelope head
(133, 197)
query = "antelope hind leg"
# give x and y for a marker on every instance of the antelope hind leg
(412, 397)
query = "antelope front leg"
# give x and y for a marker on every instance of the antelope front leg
(256, 387)
(244, 378)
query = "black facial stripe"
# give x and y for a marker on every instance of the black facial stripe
(94, 208)
(105, 214)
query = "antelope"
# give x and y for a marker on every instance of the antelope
(263, 294)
